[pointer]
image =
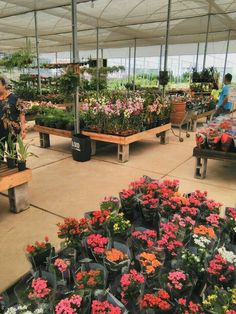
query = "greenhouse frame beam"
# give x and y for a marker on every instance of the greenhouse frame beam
(206, 42)
(197, 56)
(129, 65)
(75, 59)
(134, 69)
(97, 57)
(226, 55)
(167, 35)
(37, 51)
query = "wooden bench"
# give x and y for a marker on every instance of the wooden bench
(202, 155)
(196, 117)
(121, 141)
(16, 182)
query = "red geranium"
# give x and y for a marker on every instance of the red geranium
(159, 301)
(103, 307)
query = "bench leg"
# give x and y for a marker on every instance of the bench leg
(94, 147)
(194, 125)
(200, 168)
(44, 140)
(163, 138)
(123, 153)
(19, 198)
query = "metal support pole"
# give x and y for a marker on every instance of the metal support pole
(70, 53)
(56, 61)
(206, 42)
(75, 59)
(226, 54)
(197, 56)
(97, 73)
(37, 51)
(102, 55)
(134, 69)
(160, 64)
(129, 67)
(167, 35)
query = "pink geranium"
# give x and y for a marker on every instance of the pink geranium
(97, 243)
(39, 289)
(131, 285)
(69, 305)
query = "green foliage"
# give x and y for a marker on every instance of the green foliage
(23, 150)
(19, 59)
(68, 83)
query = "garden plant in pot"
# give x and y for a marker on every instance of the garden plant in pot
(10, 152)
(23, 153)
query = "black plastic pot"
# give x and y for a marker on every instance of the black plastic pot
(11, 163)
(81, 147)
(21, 165)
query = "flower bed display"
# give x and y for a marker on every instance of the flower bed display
(124, 116)
(218, 135)
(180, 260)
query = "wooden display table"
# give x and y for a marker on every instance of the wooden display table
(201, 160)
(196, 117)
(16, 182)
(122, 141)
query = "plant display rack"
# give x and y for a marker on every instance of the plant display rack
(121, 141)
(201, 157)
(16, 182)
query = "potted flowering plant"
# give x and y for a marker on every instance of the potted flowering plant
(188, 307)
(97, 220)
(143, 239)
(71, 304)
(156, 303)
(131, 288)
(97, 245)
(61, 268)
(220, 301)
(73, 231)
(110, 204)
(128, 199)
(118, 227)
(149, 263)
(149, 208)
(23, 153)
(38, 253)
(90, 279)
(221, 269)
(117, 257)
(230, 224)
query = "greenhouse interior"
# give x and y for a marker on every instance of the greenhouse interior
(117, 156)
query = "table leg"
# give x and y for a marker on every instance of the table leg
(94, 147)
(19, 198)
(123, 153)
(44, 140)
(163, 137)
(200, 168)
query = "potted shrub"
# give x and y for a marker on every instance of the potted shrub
(23, 153)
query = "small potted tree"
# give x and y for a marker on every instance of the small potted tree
(23, 153)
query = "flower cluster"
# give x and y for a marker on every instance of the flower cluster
(69, 305)
(220, 301)
(144, 239)
(205, 231)
(61, 264)
(97, 243)
(131, 285)
(99, 307)
(149, 262)
(115, 256)
(39, 289)
(169, 240)
(159, 301)
(34, 249)
(188, 307)
(90, 279)
(221, 270)
(98, 218)
(117, 223)
(110, 204)
(176, 279)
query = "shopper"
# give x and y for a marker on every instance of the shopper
(11, 120)
(224, 105)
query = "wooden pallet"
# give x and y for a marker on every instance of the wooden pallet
(202, 155)
(16, 182)
(122, 141)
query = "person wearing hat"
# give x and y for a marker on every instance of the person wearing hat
(11, 120)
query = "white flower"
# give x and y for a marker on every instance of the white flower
(229, 256)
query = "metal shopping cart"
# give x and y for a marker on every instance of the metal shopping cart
(187, 120)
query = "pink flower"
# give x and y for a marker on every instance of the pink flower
(40, 289)
(61, 265)
(69, 305)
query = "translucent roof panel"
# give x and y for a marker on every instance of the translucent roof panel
(119, 23)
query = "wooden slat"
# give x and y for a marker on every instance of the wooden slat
(203, 115)
(14, 179)
(128, 139)
(57, 132)
(213, 154)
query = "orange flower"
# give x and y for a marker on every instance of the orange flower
(150, 269)
(115, 255)
(149, 262)
(204, 231)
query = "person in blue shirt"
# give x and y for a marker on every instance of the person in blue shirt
(224, 105)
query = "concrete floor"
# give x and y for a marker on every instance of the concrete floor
(62, 187)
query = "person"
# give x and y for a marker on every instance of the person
(11, 120)
(224, 105)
